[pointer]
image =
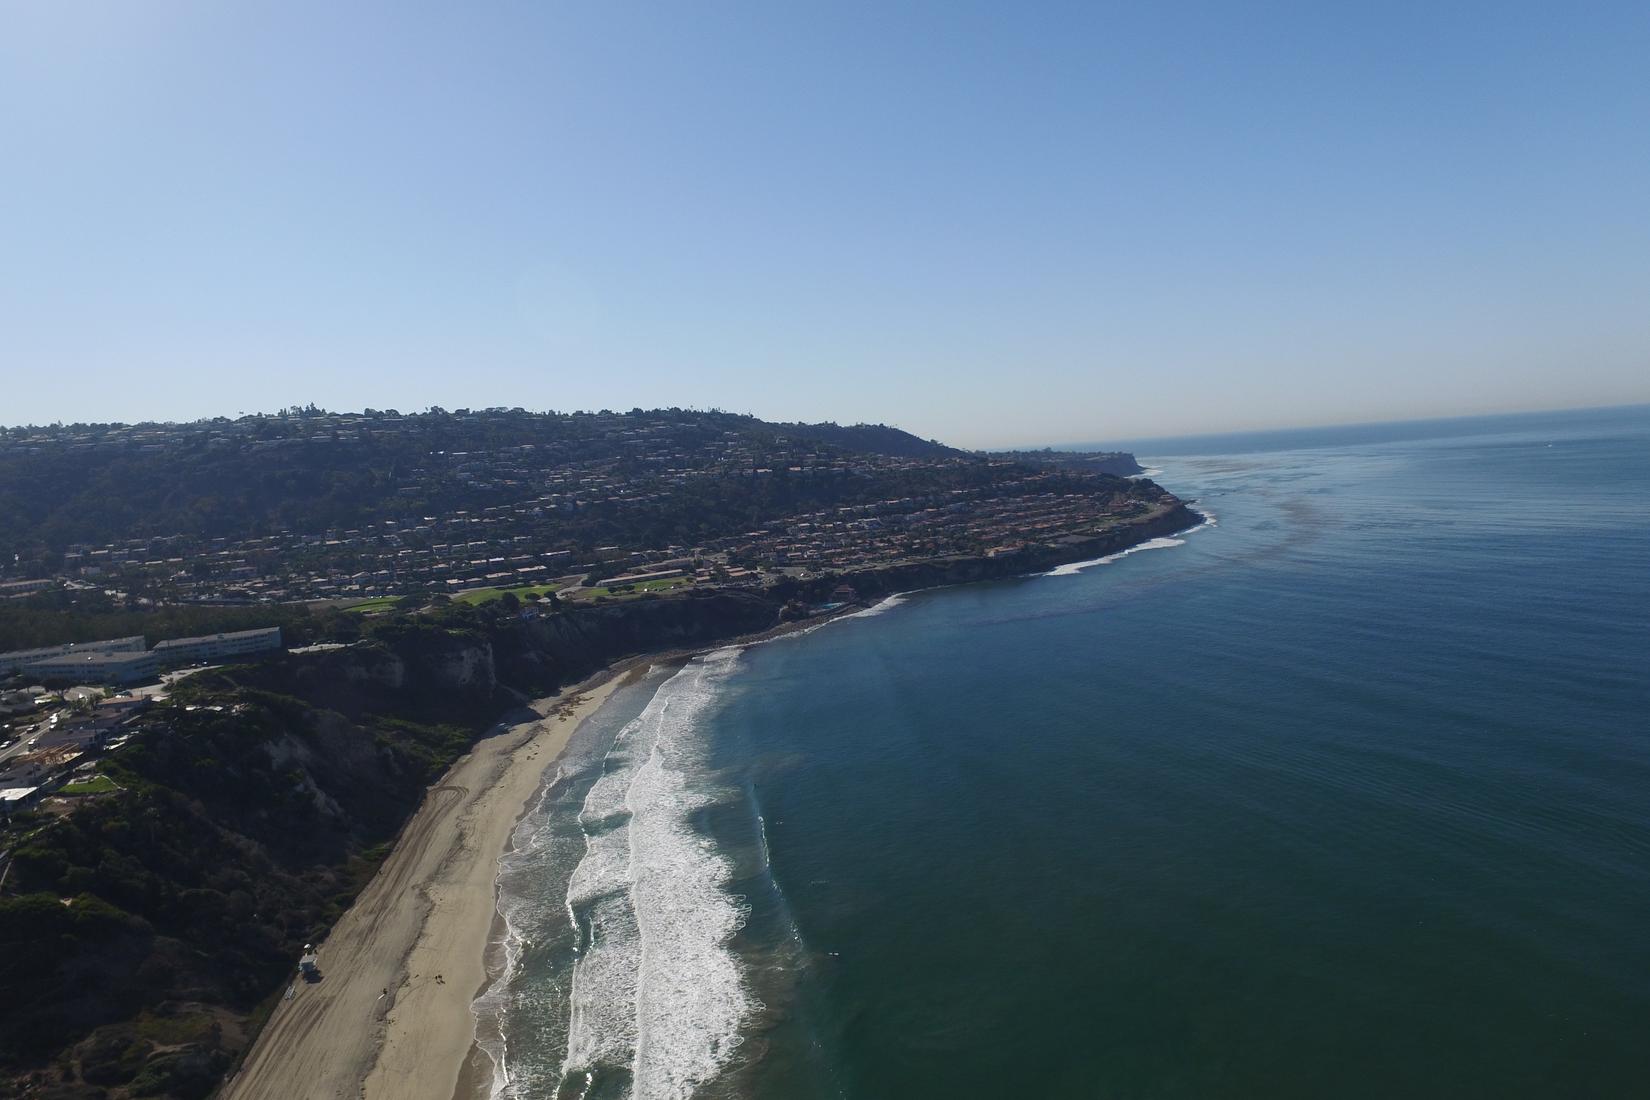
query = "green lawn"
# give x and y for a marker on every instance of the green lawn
(524, 593)
(664, 585)
(97, 784)
(377, 603)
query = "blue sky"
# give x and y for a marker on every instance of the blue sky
(993, 224)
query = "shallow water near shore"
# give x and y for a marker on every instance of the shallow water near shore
(1340, 795)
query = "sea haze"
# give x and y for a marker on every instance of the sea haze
(1341, 794)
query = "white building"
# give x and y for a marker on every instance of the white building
(22, 658)
(97, 668)
(217, 647)
(15, 798)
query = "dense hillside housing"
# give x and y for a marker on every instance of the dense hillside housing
(314, 505)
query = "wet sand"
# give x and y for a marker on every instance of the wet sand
(391, 1016)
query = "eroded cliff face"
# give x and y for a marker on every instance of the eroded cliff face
(537, 655)
(557, 649)
(1122, 464)
(339, 767)
(373, 666)
(405, 666)
(462, 666)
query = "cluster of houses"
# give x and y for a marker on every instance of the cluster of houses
(51, 739)
(61, 748)
(965, 522)
(530, 508)
(439, 555)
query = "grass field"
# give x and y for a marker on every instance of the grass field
(524, 593)
(97, 784)
(643, 588)
(378, 603)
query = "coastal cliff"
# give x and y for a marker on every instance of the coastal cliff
(543, 653)
(153, 927)
(1034, 558)
(538, 653)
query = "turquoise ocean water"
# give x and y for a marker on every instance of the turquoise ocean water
(1344, 794)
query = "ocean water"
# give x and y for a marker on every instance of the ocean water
(1345, 793)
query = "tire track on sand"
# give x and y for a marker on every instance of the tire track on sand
(327, 1035)
(391, 1018)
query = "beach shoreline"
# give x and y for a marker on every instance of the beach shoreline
(476, 1072)
(417, 948)
(429, 1033)
(393, 1015)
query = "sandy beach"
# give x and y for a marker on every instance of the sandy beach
(391, 1017)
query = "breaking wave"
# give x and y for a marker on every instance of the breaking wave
(887, 604)
(1071, 568)
(657, 995)
(530, 845)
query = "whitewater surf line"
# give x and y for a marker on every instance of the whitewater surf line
(656, 991)
(1072, 568)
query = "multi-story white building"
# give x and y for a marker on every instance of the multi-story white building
(97, 668)
(217, 647)
(22, 658)
(24, 588)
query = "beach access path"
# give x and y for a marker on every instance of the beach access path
(390, 1018)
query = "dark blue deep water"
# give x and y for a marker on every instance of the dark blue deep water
(1345, 795)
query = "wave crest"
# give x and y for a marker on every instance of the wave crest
(656, 990)
(1073, 568)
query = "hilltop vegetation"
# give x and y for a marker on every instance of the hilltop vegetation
(877, 439)
(308, 470)
(311, 505)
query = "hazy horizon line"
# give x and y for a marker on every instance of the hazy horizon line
(1092, 444)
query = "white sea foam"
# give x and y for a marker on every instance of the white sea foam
(656, 986)
(879, 607)
(527, 845)
(1071, 568)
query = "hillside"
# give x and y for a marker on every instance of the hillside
(311, 471)
(1118, 463)
(142, 929)
(878, 439)
(310, 505)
